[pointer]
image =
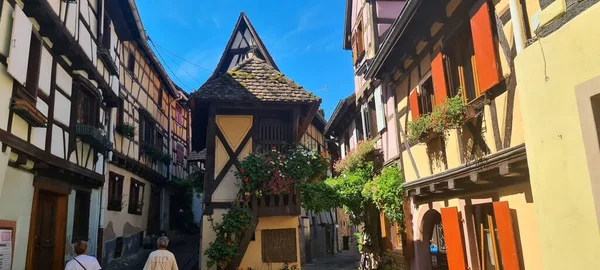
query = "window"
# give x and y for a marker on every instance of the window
(81, 216)
(121, 111)
(179, 114)
(460, 66)
(87, 106)
(359, 127)
(136, 197)
(426, 96)
(33, 65)
(131, 63)
(358, 46)
(370, 119)
(148, 130)
(106, 33)
(115, 192)
(180, 153)
(119, 247)
(487, 237)
(159, 141)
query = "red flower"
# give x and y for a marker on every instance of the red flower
(323, 154)
(242, 170)
(228, 243)
(241, 217)
(274, 148)
(246, 179)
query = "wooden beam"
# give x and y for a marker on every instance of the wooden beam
(475, 178)
(309, 117)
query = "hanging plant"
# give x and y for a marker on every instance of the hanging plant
(126, 130)
(449, 115)
(221, 251)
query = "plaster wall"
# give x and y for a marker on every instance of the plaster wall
(550, 71)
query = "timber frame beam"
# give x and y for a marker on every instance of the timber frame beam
(502, 168)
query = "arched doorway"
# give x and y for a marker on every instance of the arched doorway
(434, 244)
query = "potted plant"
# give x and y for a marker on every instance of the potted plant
(127, 130)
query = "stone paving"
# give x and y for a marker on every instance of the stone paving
(347, 260)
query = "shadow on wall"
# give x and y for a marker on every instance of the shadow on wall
(123, 246)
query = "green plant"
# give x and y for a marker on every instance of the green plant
(127, 130)
(275, 172)
(449, 115)
(156, 154)
(357, 158)
(387, 193)
(234, 223)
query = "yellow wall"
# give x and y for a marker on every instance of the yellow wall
(253, 256)
(123, 223)
(519, 199)
(16, 200)
(549, 72)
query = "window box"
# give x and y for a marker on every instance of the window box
(28, 112)
(104, 55)
(94, 136)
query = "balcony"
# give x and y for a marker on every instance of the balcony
(93, 136)
(279, 205)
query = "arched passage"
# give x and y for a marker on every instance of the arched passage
(432, 235)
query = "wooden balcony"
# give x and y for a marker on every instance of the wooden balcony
(279, 205)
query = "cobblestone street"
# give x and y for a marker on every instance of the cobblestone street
(347, 260)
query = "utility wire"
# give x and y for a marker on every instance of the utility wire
(167, 51)
(166, 64)
(185, 70)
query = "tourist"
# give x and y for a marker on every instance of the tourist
(82, 261)
(161, 259)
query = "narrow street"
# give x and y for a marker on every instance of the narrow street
(347, 260)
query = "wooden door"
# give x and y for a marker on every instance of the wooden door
(154, 211)
(45, 230)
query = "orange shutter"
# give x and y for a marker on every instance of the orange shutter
(439, 79)
(483, 44)
(454, 240)
(413, 99)
(506, 236)
(383, 225)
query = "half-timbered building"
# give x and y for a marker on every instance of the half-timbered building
(56, 98)
(249, 105)
(151, 134)
(472, 204)
(72, 73)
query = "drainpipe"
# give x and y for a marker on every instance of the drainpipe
(517, 24)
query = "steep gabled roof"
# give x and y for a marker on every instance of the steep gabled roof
(243, 40)
(254, 80)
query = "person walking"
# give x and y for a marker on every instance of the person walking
(161, 259)
(82, 261)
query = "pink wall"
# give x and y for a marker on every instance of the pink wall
(389, 9)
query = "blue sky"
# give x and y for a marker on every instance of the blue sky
(304, 38)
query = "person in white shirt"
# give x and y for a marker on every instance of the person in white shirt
(82, 261)
(161, 259)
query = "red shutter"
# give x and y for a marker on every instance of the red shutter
(413, 100)
(506, 236)
(439, 79)
(179, 153)
(454, 240)
(483, 44)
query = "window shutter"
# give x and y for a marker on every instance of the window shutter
(483, 44)
(506, 236)
(413, 100)
(354, 48)
(382, 225)
(454, 240)
(379, 108)
(438, 76)
(19, 46)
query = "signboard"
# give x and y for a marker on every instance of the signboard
(5, 249)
